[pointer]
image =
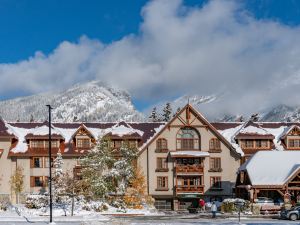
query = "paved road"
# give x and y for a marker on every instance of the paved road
(162, 221)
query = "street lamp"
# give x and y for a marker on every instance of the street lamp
(50, 173)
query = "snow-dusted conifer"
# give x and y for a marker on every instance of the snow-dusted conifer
(123, 169)
(96, 164)
(167, 112)
(58, 183)
(154, 117)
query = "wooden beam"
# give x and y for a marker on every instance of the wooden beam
(280, 192)
(204, 126)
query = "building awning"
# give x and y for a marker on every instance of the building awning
(180, 154)
(189, 195)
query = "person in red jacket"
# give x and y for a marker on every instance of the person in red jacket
(202, 205)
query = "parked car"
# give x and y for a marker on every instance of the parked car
(291, 214)
(264, 200)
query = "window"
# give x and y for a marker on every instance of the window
(132, 144)
(249, 144)
(294, 143)
(215, 182)
(47, 162)
(161, 164)
(43, 144)
(54, 144)
(36, 181)
(161, 144)
(117, 144)
(83, 143)
(37, 144)
(215, 164)
(214, 144)
(262, 144)
(162, 183)
(187, 139)
(37, 162)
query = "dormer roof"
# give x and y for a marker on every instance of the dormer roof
(253, 130)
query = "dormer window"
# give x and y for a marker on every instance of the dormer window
(294, 143)
(262, 144)
(117, 143)
(83, 143)
(43, 144)
(255, 144)
(37, 144)
(133, 144)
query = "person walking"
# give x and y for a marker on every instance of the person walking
(202, 205)
(213, 209)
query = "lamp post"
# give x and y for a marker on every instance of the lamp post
(50, 173)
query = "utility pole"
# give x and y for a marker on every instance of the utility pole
(50, 172)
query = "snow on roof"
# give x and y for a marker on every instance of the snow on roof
(228, 134)
(21, 133)
(122, 129)
(277, 132)
(155, 131)
(189, 153)
(43, 130)
(254, 130)
(271, 167)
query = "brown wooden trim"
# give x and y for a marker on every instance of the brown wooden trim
(31, 181)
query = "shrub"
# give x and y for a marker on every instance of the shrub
(36, 201)
(255, 209)
(119, 204)
(4, 203)
(95, 206)
(229, 206)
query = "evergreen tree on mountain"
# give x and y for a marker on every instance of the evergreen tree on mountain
(167, 112)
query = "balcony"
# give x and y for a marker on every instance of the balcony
(185, 189)
(195, 168)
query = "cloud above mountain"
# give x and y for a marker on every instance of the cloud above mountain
(218, 48)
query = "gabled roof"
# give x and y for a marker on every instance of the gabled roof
(288, 130)
(122, 130)
(4, 131)
(85, 128)
(267, 168)
(202, 119)
(252, 130)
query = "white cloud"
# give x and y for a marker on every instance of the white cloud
(218, 48)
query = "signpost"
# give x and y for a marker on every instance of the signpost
(50, 173)
(239, 204)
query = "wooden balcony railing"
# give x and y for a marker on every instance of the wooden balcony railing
(189, 189)
(196, 168)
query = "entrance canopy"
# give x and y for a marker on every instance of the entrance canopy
(180, 154)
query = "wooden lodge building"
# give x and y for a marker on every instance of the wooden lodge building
(185, 159)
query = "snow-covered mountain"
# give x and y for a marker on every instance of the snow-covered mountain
(93, 101)
(280, 113)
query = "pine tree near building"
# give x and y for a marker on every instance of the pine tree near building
(123, 169)
(96, 164)
(17, 182)
(167, 112)
(154, 116)
(58, 182)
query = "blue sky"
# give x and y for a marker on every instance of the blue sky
(50, 26)
(28, 26)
